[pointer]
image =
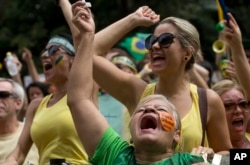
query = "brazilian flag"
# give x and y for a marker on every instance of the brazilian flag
(135, 45)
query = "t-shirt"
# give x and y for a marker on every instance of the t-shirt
(8, 144)
(112, 150)
(113, 111)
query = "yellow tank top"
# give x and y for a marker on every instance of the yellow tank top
(247, 136)
(54, 134)
(191, 122)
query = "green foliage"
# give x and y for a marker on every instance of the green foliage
(30, 23)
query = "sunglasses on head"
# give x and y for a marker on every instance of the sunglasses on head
(52, 50)
(6, 94)
(164, 40)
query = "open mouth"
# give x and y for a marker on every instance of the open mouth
(158, 58)
(47, 66)
(238, 123)
(148, 122)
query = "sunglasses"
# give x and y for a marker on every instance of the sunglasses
(231, 107)
(52, 51)
(6, 94)
(164, 40)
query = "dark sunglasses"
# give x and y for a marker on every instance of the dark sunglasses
(53, 49)
(6, 94)
(164, 40)
(231, 107)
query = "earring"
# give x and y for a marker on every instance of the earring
(185, 58)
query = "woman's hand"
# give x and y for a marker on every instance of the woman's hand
(205, 152)
(145, 16)
(82, 17)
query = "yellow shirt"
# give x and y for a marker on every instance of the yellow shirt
(54, 134)
(191, 122)
(247, 136)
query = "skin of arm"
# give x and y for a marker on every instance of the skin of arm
(196, 77)
(144, 16)
(217, 124)
(89, 122)
(67, 12)
(27, 56)
(25, 141)
(124, 87)
(234, 39)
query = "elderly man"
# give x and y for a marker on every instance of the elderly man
(11, 101)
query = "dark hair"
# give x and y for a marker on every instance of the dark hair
(44, 87)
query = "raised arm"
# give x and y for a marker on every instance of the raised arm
(67, 12)
(27, 57)
(234, 39)
(108, 37)
(89, 122)
(124, 87)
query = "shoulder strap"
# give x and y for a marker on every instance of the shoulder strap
(203, 111)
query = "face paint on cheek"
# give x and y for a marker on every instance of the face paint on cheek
(59, 60)
(167, 121)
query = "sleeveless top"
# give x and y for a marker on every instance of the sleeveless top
(191, 127)
(55, 135)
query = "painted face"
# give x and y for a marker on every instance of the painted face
(55, 61)
(237, 111)
(153, 122)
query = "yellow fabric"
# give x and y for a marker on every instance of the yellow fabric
(126, 132)
(191, 123)
(247, 136)
(54, 134)
(8, 144)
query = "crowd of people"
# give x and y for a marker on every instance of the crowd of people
(99, 106)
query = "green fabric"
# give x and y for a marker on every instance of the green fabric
(112, 150)
(135, 46)
(126, 157)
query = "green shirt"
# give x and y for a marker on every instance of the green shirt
(112, 150)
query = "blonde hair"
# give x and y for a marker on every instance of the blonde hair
(188, 36)
(226, 85)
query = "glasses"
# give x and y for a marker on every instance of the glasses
(52, 50)
(231, 107)
(6, 94)
(164, 40)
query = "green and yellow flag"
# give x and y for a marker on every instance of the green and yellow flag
(135, 45)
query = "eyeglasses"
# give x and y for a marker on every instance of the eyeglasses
(6, 94)
(164, 40)
(231, 107)
(52, 50)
